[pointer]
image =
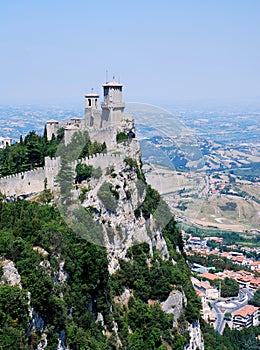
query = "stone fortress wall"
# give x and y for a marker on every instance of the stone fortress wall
(33, 181)
(23, 183)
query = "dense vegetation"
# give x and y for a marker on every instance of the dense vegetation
(256, 299)
(88, 290)
(219, 263)
(245, 339)
(85, 172)
(24, 225)
(79, 147)
(29, 153)
(229, 287)
(121, 137)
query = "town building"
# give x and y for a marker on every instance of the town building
(205, 287)
(5, 141)
(201, 269)
(197, 242)
(246, 317)
(207, 313)
(209, 276)
(255, 266)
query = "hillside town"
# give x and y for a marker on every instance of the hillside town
(217, 310)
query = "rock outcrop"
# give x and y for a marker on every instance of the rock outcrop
(10, 273)
(196, 340)
(174, 304)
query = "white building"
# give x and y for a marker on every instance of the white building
(246, 317)
(5, 141)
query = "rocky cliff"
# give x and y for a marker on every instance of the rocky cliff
(101, 267)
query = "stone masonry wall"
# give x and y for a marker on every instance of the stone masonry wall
(23, 183)
(33, 181)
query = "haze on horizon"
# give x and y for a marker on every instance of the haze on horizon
(163, 52)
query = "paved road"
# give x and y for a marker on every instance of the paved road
(240, 301)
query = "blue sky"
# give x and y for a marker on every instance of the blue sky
(164, 52)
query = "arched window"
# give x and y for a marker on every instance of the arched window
(89, 102)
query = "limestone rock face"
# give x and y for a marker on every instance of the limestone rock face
(196, 339)
(41, 251)
(159, 242)
(174, 304)
(124, 297)
(121, 228)
(60, 276)
(10, 273)
(43, 343)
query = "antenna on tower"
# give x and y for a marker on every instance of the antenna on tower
(92, 89)
(114, 77)
(106, 76)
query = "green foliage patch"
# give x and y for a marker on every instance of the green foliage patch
(121, 137)
(29, 153)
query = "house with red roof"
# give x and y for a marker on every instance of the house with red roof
(255, 265)
(246, 317)
(240, 260)
(255, 283)
(209, 276)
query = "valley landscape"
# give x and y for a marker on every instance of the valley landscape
(130, 175)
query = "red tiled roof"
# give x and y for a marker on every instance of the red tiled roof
(199, 293)
(255, 281)
(225, 254)
(238, 258)
(244, 278)
(246, 311)
(209, 276)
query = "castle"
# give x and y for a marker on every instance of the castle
(103, 125)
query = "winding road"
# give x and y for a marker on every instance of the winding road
(222, 307)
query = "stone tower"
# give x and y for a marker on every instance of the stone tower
(113, 106)
(92, 112)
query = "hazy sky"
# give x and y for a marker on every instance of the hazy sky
(165, 52)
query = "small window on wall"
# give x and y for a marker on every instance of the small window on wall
(89, 102)
(96, 102)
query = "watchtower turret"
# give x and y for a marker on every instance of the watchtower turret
(113, 96)
(92, 110)
(113, 106)
(92, 101)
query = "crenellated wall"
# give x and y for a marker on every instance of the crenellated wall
(33, 181)
(102, 160)
(23, 183)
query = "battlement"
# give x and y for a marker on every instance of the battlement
(27, 182)
(33, 181)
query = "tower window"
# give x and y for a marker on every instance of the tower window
(89, 102)
(96, 102)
